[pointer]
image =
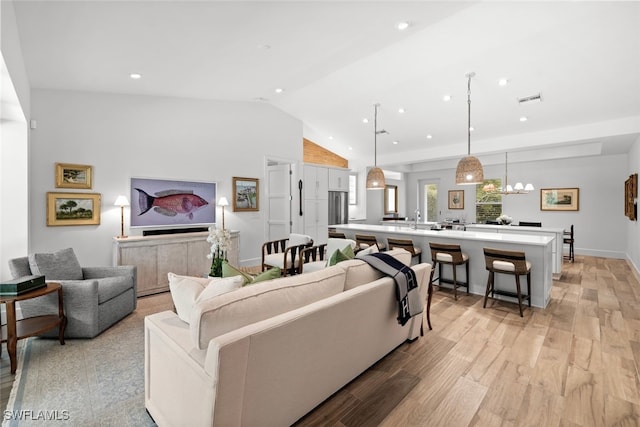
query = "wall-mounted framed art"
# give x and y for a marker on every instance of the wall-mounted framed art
(456, 199)
(169, 202)
(73, 208)
(246, 194)
(631, 197)
(559, 199)
(68, 175)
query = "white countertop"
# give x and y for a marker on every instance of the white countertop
(528, 239)
(516, 227)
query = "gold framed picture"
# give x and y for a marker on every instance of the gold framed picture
(73, 176)
(559, 199)
(456, 199)
(73, 209)
(246, 194)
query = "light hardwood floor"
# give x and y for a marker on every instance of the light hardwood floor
(576, 363)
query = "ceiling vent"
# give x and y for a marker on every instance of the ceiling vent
(530, 99)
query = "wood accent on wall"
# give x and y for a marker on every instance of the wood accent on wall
(313, 153)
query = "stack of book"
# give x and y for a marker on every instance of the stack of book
(21, 285)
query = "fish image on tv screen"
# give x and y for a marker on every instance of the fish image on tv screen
(159, 202)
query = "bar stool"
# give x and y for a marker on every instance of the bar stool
(336, 235)
(450, 254)
(363, 241)
(507, 262)
(407, 245)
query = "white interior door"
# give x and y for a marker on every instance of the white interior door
(279, 199)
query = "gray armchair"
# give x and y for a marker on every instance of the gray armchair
(95, 298)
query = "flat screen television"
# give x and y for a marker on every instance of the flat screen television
(166, 203)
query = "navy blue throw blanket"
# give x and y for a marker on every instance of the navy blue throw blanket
(409, 303)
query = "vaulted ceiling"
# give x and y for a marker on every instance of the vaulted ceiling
(334, 60)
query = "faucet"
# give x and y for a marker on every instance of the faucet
(417, 217)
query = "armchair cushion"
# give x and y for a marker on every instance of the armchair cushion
(60, 265)
(111, 287)
(298, 239)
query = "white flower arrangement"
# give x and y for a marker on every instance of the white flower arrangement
(220, 240)
(504, 219)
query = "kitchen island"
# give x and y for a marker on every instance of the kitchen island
(537, 248)
(556, 233)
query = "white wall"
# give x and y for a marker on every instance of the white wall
(600, 224)
(14, 145)
(632, 228)
(154, 137)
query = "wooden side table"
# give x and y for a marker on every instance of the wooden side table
(16, 330)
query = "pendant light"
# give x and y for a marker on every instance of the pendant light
(375, 176)
(469, 170)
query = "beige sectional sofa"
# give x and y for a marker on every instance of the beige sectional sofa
(266, 354)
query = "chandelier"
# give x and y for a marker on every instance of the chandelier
(508, 189)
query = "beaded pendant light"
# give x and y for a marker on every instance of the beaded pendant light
(375, 176)
(469, 170)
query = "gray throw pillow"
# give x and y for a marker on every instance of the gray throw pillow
(60, 265)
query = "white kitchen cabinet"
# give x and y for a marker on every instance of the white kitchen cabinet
(338, 180)
(316, 202)
(316, 182)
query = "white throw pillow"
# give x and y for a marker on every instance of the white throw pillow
(370, 250)
(185, 290)
(219, 286)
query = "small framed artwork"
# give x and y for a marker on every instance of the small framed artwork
(73, 176)
(73, 209)
(246, 194)
(559, 199)
(456, 199)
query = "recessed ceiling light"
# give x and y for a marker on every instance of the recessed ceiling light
(446, 98)
(503, 82)
(523, 119)
(402, 25)
(264, 46)
(279, 90)
(429, 136)
(401, 110)
(471, 128)
(135, 76)
(395, 142)
(330, 137)
(365, 120)
(350, 148)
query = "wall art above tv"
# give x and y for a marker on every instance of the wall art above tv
(161, 202)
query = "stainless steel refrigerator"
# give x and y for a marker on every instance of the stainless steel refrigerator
(338, 207)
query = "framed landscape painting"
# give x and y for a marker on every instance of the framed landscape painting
(559, 199)
(246, 194)
(73, 209)
(73, 176)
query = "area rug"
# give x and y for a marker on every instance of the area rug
(87, 382)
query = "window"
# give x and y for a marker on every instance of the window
(488, 204)
(430, 201)
(391, 199)
(353, 189)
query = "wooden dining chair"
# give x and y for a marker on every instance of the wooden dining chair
(568, 240)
